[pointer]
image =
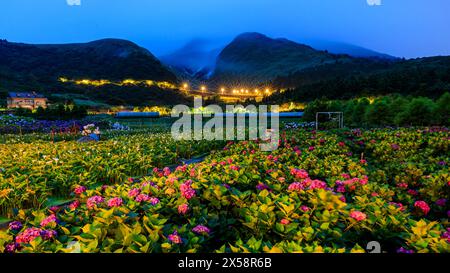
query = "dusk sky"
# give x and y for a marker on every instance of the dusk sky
(412, 28)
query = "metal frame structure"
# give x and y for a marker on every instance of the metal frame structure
(340, 116)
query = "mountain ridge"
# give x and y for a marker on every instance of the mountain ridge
(254, 57)
(39, 67)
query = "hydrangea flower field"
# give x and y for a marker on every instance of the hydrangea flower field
(331, 192)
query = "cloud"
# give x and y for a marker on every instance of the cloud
(74, 2)
(374, 2)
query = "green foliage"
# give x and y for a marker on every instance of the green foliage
(95, 60)
(418, 112)
(46, 169)
(293, 199)
(442, 109)
(428, 77)
(385, 111)
(54, 112)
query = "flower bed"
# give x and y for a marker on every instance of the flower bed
(319, 192)
(32, 172)
(20, 125)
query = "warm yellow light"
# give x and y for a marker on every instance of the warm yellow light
(129, 81)
(203, 88)
(267, 90)
(222, 90)
(101, 82)
(185, 86)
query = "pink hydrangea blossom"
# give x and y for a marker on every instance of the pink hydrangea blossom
(422, 206)
(133, 192)
(142, 198)
(115, 202)
(296, 186)
(235, 168)
(201, 229)
(305, 208)
(299, 174)
(50, 219)
(74, 205)
(181, 168)
(340, 186)
(79, 190)
(166, 171)
(28, 235)
(186, 190)
(358, 215)
(413, 192)
(345, 176)
(183, 209)
(317, 184)
(94, 201)
(175, 238)
(154, 201)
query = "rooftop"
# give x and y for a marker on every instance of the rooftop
(30, 95)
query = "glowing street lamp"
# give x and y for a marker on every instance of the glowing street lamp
(222, 90)
(185, 86)
(203, 88)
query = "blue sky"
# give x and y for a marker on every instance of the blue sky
(404, 28)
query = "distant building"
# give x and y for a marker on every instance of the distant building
(31, 100)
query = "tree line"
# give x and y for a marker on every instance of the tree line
(391, 110)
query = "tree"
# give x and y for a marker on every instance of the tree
(360, 109)
(418, 112)
(379, 113)
(442, 109)
(313, 107)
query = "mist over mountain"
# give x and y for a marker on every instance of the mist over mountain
(251, 59)
(195, 60)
